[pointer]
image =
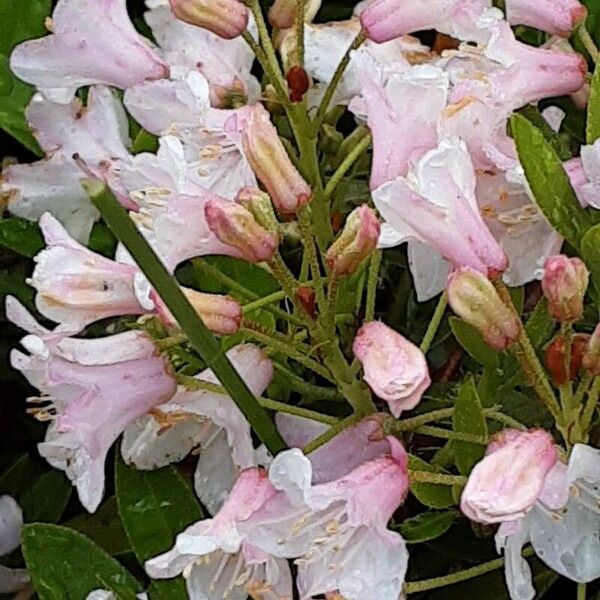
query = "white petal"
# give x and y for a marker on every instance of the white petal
(511, 537)
(11, 523)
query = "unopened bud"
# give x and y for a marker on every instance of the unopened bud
(283, 13)
(591, 358)
(259, 204)
(271, 164)
(226, 18)
(235, 226)
(564, 284)
(220, 314)
(555, 358)
(357, 241)
(298, 83)
(475, 300)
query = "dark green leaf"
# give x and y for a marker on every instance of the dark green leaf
(65, 565)
(549, 182)
(432, 495)
(468, 417)
(593, 111)
(472, 342)
(540, 324)
(590, 252)
(46, 500)
(427, 526)
(21, 236)
(20, 476)
(155, 506)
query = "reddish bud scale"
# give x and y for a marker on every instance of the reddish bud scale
(555, 358)
(306, 298)
(298, 83)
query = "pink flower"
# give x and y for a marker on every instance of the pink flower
(337, 529)
(565, 283)
(217, 560)
(75, 286)
(92, 41)
(440, 209)
(96, 388)
(558, 17)
(269, 160)
(584, 173)
(395, 369)
(226, 18)
(505, 485)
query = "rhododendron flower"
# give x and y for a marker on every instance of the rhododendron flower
(395, 369)
(75, 286)
(11, 524)
(338, 529)
(505, 485)
(584, 173)
(558, 17)
(96, 388)
(92, 41)
(436, 205)
(203, 419)
(217, 560)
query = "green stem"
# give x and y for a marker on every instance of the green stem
(308, 390)
(588, 42)
(447, 434)
(337, 76)
(263, 302)
(205, 386)
(346, 164)
(374, 266)
(504, 419)
(200, 338)
(173, 340)
(581, 591)
(590, 406)
(330, 434)
(413, 587)
(437, 478)
(300, 16)
(435, 322)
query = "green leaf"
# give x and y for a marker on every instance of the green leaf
(46, 500)
(590, 252)
(427, 526)
(21, 236)
(593, 111)
(155, 506)
(432, 495)
(65, 565)
(144, 142)
(558, 142)
(472, 342)
(540, 325)
(20, 476)
(549, 182)
(468, 417)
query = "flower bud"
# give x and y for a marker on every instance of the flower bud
(475, 300)
(591, 358)
(395, 369)
(235, 226)
(225, 18)
(220, 314)
(270, 162)
(555, 358)
(283, 13)
(357, 241)
(261, 207)
(505, 485)
(564, 284)
(298, 83)
(558, 17)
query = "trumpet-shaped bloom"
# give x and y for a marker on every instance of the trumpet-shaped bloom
(395, 369)
(92, 41)
(436, 205)
(96, 388)
(337, 529)
(558, 17)
(76, 286)
(11, 524)
(217, 560)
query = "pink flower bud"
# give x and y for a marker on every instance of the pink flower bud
(564, 284)
(475, 300)
(505, 485)
(356, 242)
(558, 17)
(261, 207)
(395, 369)
(225, 18)
(235, 226)
(270, 162)
(221, 314)
(283, 13)
(591, 358)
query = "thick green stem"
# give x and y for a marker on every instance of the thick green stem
(300, 16)
(330, 434)
(435, 323)
(374, 266)
(198, 335)
(588, 42)
(437, 478)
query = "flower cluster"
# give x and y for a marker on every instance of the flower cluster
(227, 179)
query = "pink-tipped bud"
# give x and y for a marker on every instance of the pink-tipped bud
(221, 314)
(475, 300)
(235, 226)
(357, 241)
(226, 18)
(564, 284)
(558, 17)
(591, 358)
(271, 164)
(261, 207)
